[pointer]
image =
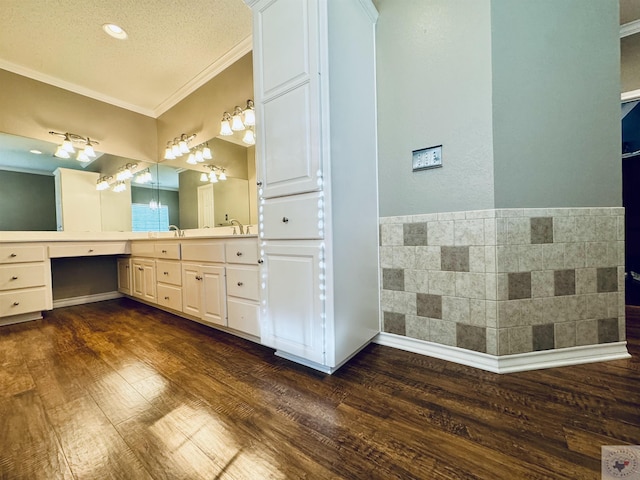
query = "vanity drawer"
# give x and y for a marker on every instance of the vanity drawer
(243, 316)
(243, 282)
(23, 301)
(143, 249)
(21, 253)
(22, 276)
(87, 249)
(203, 251)
(293, 217)
(169, 272)
(242, 252)
(170, 297)
(167, 250)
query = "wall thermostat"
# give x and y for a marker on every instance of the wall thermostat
(426, 158)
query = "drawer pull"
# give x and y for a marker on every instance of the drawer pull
(164, 251)
(14, 278)
(90, 250)
(240, 284)
(166, 273)
(15, 304)
(260, 261)
(140, 268)
(285, 220)
(259, 183)
(239, 254)
(198, 277)
(13, 255)
(166, 298)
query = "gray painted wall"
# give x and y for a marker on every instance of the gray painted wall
(434, 87)
(27, 202)
(556, 103)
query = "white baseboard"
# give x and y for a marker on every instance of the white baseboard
(81, 300)
(24, 317)
(508, 363)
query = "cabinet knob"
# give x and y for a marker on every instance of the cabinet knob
(239, 254)
(259, 183)
(140, 268)
(285, 220)
(166, 273)
(14, 278)
(166, 298)
(164, 251)
(90, 250)
(240, 284)
(198, 277)
(260, 261)
(13, 255)
(15, 304)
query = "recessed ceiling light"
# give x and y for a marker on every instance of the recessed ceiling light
(114, 30)
(36, 152)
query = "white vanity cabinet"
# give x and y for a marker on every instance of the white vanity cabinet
(143, 277)
(314, 80)
(243, 292)
(25, 282)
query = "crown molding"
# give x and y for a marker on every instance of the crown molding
(232, 56)
(72, 87)
(630, 95)
(630, 28)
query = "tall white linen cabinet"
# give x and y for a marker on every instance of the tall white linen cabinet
(314, 82)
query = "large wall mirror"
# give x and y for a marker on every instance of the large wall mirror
(35, 188)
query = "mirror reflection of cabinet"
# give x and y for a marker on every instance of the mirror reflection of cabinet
(77, 201)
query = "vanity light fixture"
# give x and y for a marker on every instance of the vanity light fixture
(143, 177)
(178, 147)
(103, 183)
(120, 186)
(239, 120)
(126, 172)
(66, 148)
(204, 177)
(215, 173)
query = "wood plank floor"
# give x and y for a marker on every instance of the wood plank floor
(121, 390)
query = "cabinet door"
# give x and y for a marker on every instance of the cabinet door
(294, 298)
(137, 279)
(124, 276)
(287, 85)
(214, 296)
(191, 289)
(149, 274)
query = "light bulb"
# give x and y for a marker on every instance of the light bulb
(82, 156)
(212, 177)
(222, 175)
(204, 177)
(182, 144)
(192, 159)
(175, 149)
(168, 153)
(88, 150)
(236, 120)
(206, 153)
(199, 156)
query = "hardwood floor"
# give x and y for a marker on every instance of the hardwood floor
(121, 390)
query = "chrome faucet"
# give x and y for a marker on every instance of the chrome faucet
(176, 229)
(239, 225)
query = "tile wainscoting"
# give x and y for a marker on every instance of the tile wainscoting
(505, 289)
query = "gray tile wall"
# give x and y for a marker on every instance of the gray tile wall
(505, 281)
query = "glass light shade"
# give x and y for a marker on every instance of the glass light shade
(168, 154)
(176, 150)
(249, 117)
(89, 151)
(206, 153)
(192, 159)
(61, 152)
(225, 128)
(222, 176)
(204, 177)
(67, 145)
(236, 123)
(249, 138)
(82, 156)
(153, 205)
(199, 156)
(212, 177)
(102, 185)
(182, 145)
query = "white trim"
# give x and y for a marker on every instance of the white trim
(508, 363)
(24, 317)
(630, 95)
(83, 299)
(630, 28)
(72, 87)
(371, 10)
(232, 56)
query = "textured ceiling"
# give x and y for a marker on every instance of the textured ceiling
(173, 46)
